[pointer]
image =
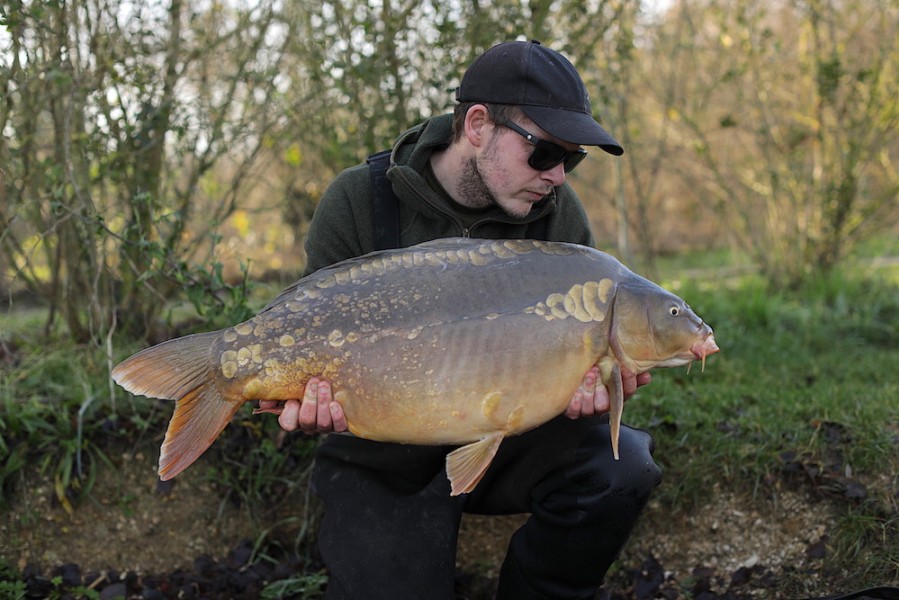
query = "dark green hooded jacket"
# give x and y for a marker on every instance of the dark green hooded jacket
(342, 226)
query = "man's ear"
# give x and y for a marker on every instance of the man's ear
(478, 125)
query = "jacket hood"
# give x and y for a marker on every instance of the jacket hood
(409, 160)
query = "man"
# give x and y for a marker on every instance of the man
(494, 169)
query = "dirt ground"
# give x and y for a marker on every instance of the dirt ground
(128, 527)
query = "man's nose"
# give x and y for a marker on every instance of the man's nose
(556, 175)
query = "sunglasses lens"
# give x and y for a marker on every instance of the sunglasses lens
(547, 155)
(574, 159)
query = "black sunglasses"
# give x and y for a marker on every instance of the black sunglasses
(547, 155)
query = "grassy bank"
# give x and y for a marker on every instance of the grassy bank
(803, 394)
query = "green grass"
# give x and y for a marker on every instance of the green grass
(60, 414)
(54, 404)
(804, 379)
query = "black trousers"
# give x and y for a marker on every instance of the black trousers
(390, 525)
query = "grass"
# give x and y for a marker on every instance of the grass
(60, 414)
(805, 380)
(50, 415)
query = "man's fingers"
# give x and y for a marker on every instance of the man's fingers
(601, 399)
(323, 399)
(289, 415)
(630, 385)
(268, 406)
(338, 419)
(587, 391)
(574, 407)
(308, 412)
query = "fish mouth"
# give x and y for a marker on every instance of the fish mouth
(704, 347)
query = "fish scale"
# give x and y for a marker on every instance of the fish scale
(457, 341)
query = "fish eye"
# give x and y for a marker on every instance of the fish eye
(674, 311)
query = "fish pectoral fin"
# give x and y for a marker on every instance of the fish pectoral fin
(611, 377)
(466, 466)
(200, 416)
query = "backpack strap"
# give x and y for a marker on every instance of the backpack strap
(385, 204)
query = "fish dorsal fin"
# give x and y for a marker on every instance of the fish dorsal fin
(466, 466)
(200, 416)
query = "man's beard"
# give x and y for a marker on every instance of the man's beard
(472, 187)
(477, 195)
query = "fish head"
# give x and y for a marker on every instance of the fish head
(654, 328)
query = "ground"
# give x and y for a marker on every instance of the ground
(130, 533)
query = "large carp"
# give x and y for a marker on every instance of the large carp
(454, 341)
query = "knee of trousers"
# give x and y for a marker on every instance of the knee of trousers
(635, 474)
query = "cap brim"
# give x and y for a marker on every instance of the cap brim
(574, 127)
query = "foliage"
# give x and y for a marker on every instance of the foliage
(261, 466)
(306, 587)
(11, 586)
(56, 414)
(134, 136)
(112, 139)
(786, 116)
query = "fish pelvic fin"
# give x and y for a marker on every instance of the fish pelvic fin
(168, 370)
(200, 416)
(611, 377)
(466, 466)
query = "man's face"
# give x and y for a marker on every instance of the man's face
(499, 173)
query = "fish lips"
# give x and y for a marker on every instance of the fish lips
(705, 347)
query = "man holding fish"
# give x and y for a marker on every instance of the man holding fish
(472, 362)
(495, 169)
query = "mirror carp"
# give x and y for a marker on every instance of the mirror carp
(454, 341)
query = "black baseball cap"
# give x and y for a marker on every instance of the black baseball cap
(544, 84)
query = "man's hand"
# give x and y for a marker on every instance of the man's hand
(592, 397)
(317, 413)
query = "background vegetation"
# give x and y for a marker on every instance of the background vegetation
(160, 161)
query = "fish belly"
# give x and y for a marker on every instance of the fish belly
(455, 382)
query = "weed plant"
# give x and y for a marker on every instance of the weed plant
(57, 415)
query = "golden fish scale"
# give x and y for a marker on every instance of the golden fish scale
(406, 364)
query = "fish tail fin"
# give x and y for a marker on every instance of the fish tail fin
(179, 370)
(168, 370)
(200, 416)
(466, 466)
